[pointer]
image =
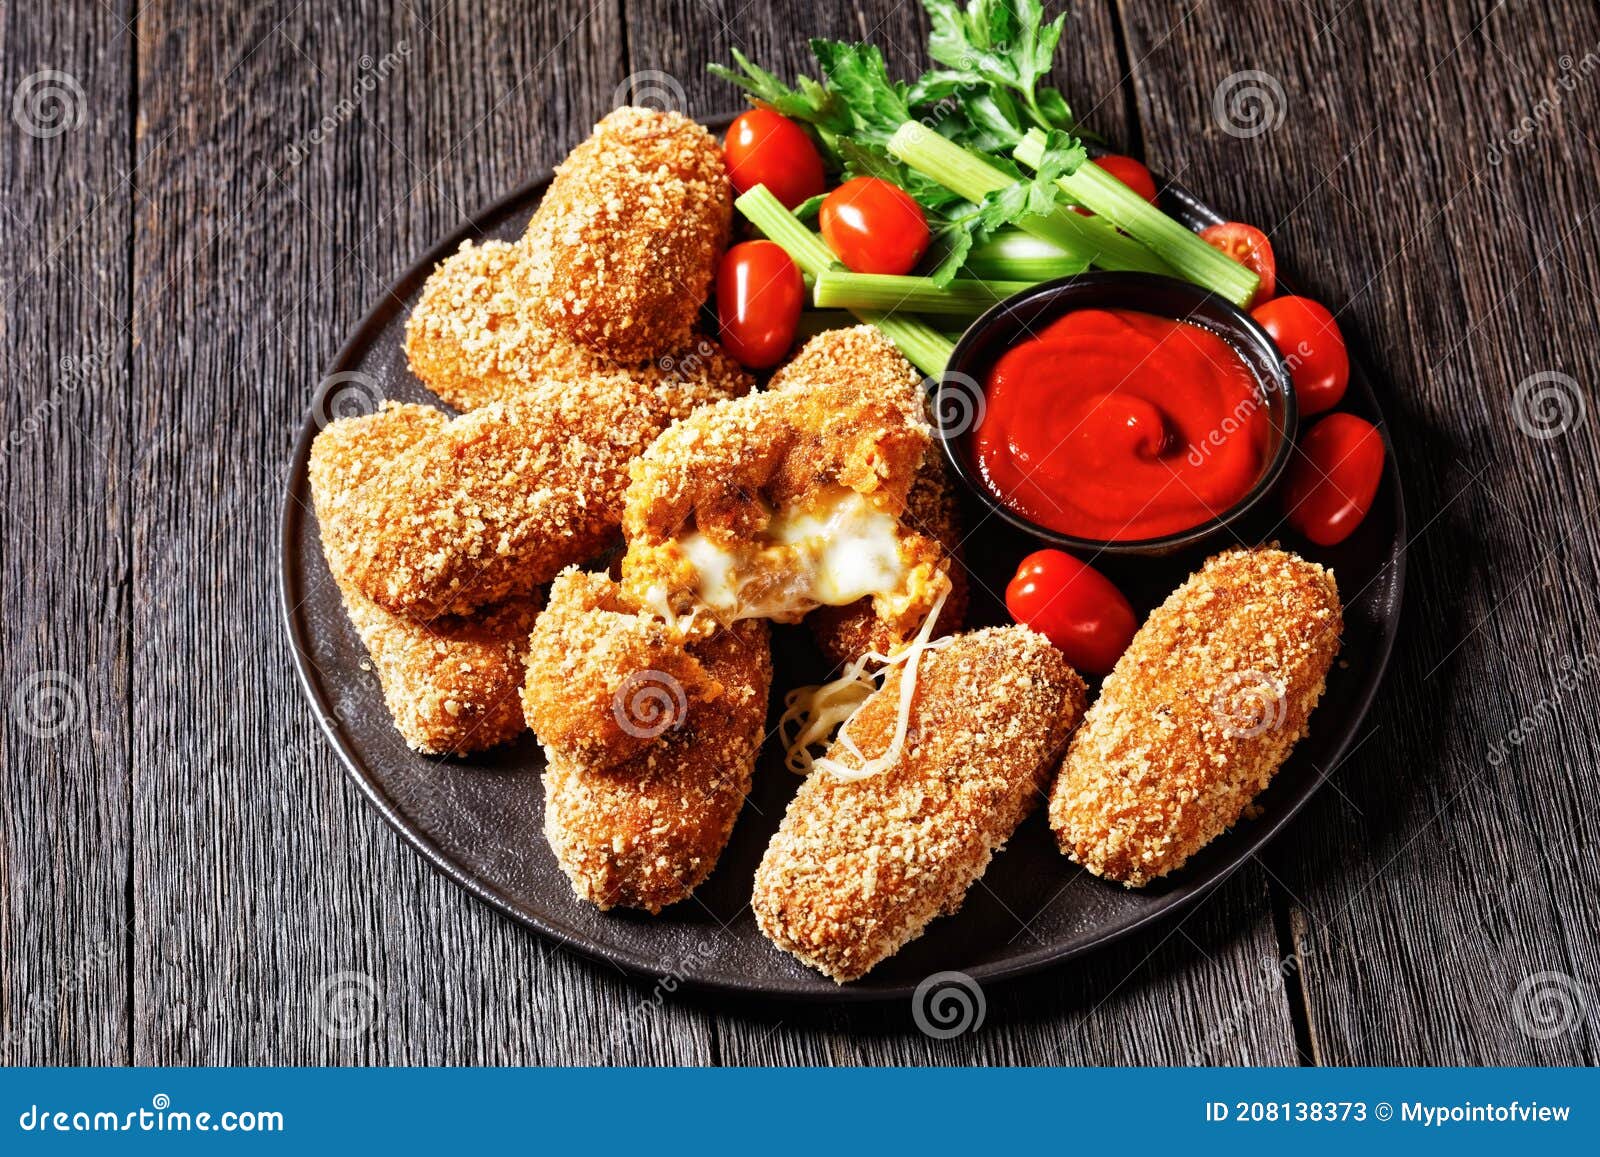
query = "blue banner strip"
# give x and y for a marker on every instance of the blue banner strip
(804, 1112)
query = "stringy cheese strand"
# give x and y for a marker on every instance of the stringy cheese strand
(819, 710)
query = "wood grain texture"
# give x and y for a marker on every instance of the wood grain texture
(65, 149)
(187, 875)
(1438, 879)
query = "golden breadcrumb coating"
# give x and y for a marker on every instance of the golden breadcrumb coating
(644, 833)
(626, 240)
(725, 465)
(1198, 714)
(505, 497)
(858, 868)
(474, 338)
(450, 684)
(860, 358)
(604, 679)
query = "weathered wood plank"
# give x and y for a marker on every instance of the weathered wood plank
(1440, 880)
(298, 160)
(65, 149)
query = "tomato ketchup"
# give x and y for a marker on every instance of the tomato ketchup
(1120, 425)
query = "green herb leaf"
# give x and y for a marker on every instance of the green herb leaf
(855, 77)
(947, 252)
(1005, 44)
(807, 210)
(861, 160)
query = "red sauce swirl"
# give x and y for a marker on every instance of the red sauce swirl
(1120, 425)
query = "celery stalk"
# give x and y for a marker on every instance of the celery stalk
(1012, 255)
(1097, 190)
(873, 291)
(969, 175)
(923, 346)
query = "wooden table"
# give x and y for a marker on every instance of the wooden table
(188, 876)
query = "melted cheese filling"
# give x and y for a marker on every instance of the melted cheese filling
(829, 553)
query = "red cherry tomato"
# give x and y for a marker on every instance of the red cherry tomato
(1075, 607)
(1249, 247)
(763, 148)
(759, 296)
(1333, 478)
(1131, 173)
(1310, 341)
(873, 226)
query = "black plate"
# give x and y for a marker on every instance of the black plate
(479, 820)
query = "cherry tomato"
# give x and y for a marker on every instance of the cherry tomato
(763, 148)
(1310, 341)
(1075, 607)
(1333, 478)
(1249, 247)
(874, 227)
(759, 295)
(1131, 173)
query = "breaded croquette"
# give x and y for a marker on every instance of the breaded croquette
(505, 497)
(626, 240)
(781, 502)
(450, 684)
(644, 833)
(591, 657)
(859, 358)
(859, 867)
(1198, 714)
(863, 360)
(474, 338)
